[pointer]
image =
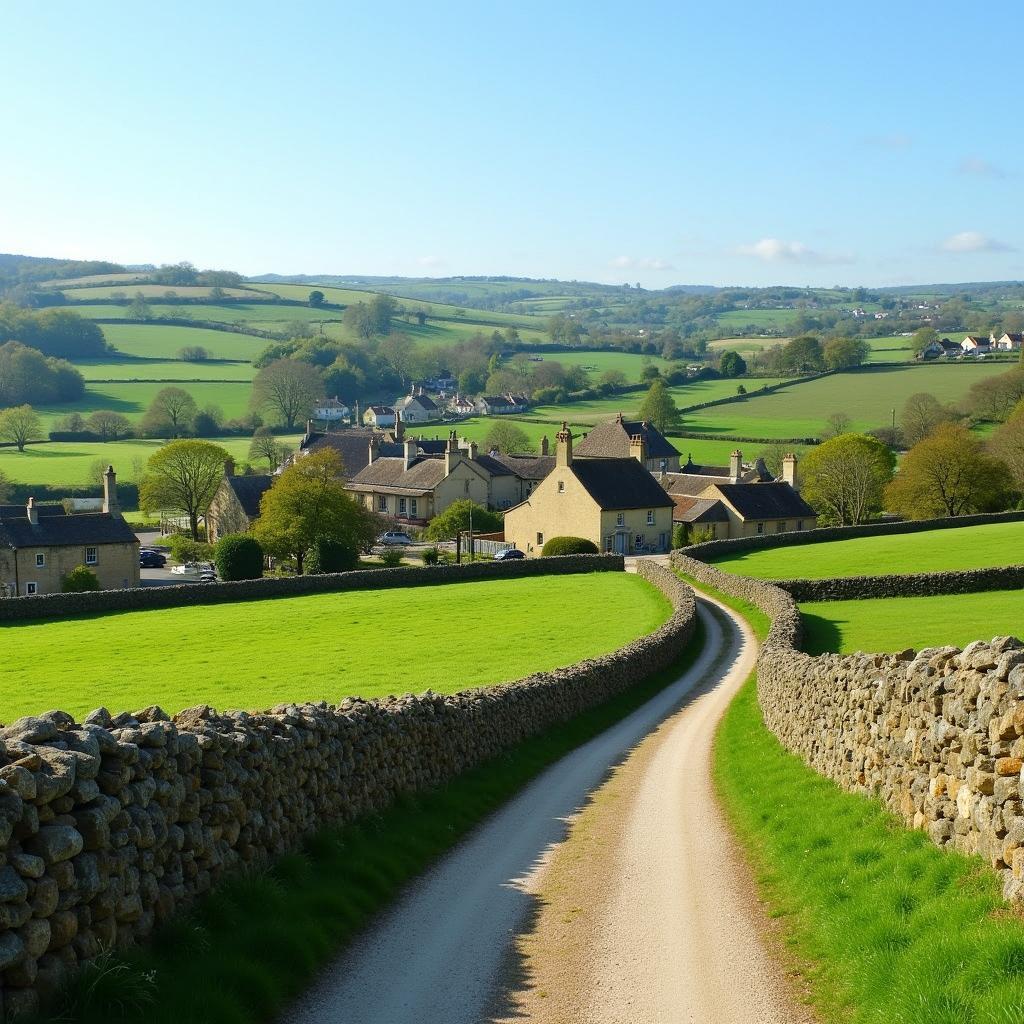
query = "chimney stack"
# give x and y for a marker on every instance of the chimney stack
(229, 467)
(473, 449)
(452, 453)
(544, 448)
(400, 431)
(638, 449)
(735, 466)
(563, 446)
(33, 512)
(110, 503)
(412, 452)
(789, 471)
(374, 449)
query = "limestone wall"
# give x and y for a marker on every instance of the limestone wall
(937, 734)
(111, 825)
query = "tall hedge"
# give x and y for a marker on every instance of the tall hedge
(238, 557)
(328, 555)
(569, 546)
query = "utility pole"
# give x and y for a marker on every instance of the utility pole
(471, 531)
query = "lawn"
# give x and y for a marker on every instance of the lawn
(324, 646)
(162, 341)
(69, 462)
(891, 624)
(969, 547)
(868, 397)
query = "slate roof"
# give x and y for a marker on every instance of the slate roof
(527, 467)
(248, 490)
(611, 440)
(352, 445)
(766, 501)
(493, 465)
(66, 531)
(390, 474)
(20, 512)
(425, 402)
(699, 510)
(619, 483)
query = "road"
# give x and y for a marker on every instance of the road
(606, 891)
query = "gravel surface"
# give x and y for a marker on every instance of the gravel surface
(641, 914)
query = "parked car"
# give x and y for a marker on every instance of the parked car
(509, 555)
(394, 537)
(149, 559)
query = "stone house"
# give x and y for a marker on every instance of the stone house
(236, 504)
(39, 548)
(380, 416)
(501, 405)
(417, 408)
(614, 440)
(461, 406)
(515, 477)
(975, 344)
(352, 445)
(331, 410)
(692, 478)
(613, 502)
(1008, 341)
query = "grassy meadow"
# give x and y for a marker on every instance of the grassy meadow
(163, 341)
(896, 623)
(163, 370)
(969, 547)
(99, 293)
(172, 657)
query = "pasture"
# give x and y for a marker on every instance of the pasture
(891, 349)
(320, 647)
(598, 363)
(765, 319)
(69, 463)
(867, 396)
(150, 291)
(163, 341)
(163, 370)
(883, 625)
(969, 547)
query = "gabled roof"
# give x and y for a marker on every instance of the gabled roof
(352, 445)
(20, 511)
(765, 501)
(699, 510)
(527, 467)
(619, 483)
(381, 410)
(390, 473)
(66, 531)
(493, 465)
(248, 490)
(611, 440)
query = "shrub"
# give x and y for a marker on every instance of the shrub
(185, 549)
(238, 557)
(680, 535)
(430, 556)
(328, 555)
(569, 546)
(79, 580)
(392, 558)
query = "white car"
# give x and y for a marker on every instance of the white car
(394, 537)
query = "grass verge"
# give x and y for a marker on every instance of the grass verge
(250, 948)
(884, 926)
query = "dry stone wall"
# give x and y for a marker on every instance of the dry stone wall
(937, 734)
(111, 825)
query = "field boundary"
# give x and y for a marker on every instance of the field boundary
(918, 584)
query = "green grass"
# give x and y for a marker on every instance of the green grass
(161, 341)
(893, 349)
(324, 646)
(135, 369)
(599, 362)
(69, 463)
(152, 291)
(889, 624)
(867, 397)
(776, 319)
(879, 925)
(246, 951)
(969, 547)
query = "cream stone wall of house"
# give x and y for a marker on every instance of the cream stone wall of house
(226, 514)
(559, 507)
(737, 527)
(654, 526)
(464, 480)
(506, 491)
(116, 566)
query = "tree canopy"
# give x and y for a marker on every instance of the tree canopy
(508, 438)
(20, 425)
(659, 408)
(26, 375)
(844, 478)
(732, 364)
(54, 332)
(170, 414)
(183, 477)
(287, 388)
(455, 519)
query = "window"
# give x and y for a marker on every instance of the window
(414, 507)
(540, 540)
(620, 519)
(650, 517)
(780, 526)
(30, 589)
(382, 503)
(664, 465)
(466, 485)
(92, 556)
(401, 506)
(800, 524)
(760, 528)
(661, 542)
(561, 487)
(40, 560)
(608, 541)
(638, 542)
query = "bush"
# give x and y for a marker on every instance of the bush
(569, 546)
(79, 580)
(238, 557)
(392, 558)
(327, 555)
(680, 535)
(430, 556)
(185, 549)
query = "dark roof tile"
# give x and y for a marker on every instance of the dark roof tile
(766, 501)
(611, 440)
(619, 483)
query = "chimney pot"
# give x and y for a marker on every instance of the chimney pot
(110, 503)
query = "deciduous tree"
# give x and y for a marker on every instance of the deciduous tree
(922, 413)
(170, 414)
(265, 446)
(183, 477)
(507, 438)
(316, 297)
(288, 388)
(455, 519)
(20, 425)
(1007, 444)
(732, 364)
(659, 408)
(843, 353)
(109, 425)
(844, 478)
(948, 474)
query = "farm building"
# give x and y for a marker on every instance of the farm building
(614, 440)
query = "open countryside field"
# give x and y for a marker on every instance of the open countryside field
(894, 624)
(68, 463)
(867, 396)
(156, 369)
(153, 291)
(774, 319)
(599, 362)
(892, 349)
(745, 346)
(162, 341)
(172, 657)
(970, 547)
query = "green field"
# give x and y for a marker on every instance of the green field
(162, 341)
(896, 623)
(775, 319)
(868, 397)
(152, 291)
(893, 349)
(600, 362)
(68, 463)
(322, 646)
(745, 346)
(163, 370)
(969, 547)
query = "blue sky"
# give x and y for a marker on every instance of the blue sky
(666, 143)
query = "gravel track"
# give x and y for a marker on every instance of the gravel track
(608, 890)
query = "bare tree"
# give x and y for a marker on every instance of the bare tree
(289, 387)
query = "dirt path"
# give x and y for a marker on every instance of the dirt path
(641, 915)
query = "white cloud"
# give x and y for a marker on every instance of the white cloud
(641, 263)
(777, 250)
(973, 241)
(429, 261)
(982, 168)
